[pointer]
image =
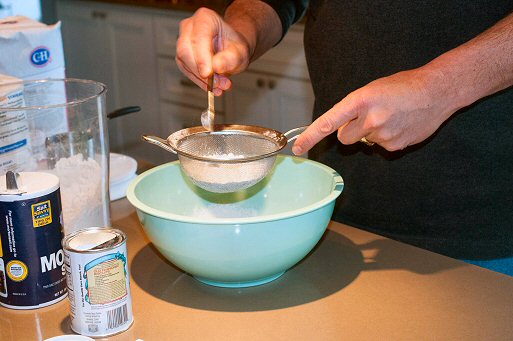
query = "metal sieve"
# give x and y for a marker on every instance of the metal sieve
(229, 158)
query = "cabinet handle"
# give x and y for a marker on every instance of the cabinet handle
(260, 83)
(98, 15)
(187, 83)
(272, 84)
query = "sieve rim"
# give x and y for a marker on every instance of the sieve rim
(278, 138)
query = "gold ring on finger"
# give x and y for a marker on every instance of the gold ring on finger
(367, 142)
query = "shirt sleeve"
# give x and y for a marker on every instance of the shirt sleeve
(289, 11)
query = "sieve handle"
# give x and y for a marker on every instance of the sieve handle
(158, 141)
(297, 131)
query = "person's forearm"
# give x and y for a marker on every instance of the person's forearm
(257, 22)
(478, 68)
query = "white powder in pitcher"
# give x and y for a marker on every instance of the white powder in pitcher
(81, 192)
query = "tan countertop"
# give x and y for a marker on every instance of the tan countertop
(354, 286)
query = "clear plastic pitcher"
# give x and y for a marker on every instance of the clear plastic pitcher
(60, 126)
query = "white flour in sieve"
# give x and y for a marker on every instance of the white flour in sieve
(81, 192)
(202, 171)
(228, 156)
(226, 177)
(224, 211)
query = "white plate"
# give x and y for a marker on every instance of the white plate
(69, 338)
(118, 190)
(122, 167)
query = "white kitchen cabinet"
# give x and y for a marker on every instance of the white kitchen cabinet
(175, 87)
(167, 28)
(275, 91)
(181, 100)
(174, 117)
(282, 103)
(87, 50)
(132, 50)
(269, 101)
(115, 45)
(285, 59)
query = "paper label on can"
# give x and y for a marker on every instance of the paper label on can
(106, 272)
(99, 291)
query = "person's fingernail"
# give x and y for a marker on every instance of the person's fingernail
(297, 150)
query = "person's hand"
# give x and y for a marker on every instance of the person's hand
(394, 112)
(208, 45)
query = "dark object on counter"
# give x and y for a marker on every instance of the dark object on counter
(78, 142)
(123, 111)
(31, 255)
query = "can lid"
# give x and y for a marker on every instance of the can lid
(93, 240)
(28, 185)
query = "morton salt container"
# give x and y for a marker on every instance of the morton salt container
(32, 274)
(96, 262)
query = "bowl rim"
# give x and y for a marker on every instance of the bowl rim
(338, 186)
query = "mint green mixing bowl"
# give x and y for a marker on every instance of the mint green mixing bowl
(239, 239)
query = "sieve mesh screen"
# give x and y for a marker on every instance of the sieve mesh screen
(226, 145)
(230, 158)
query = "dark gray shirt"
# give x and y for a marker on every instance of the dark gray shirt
(452, 193)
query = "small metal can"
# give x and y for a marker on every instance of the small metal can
(96, 263)
(32, 271)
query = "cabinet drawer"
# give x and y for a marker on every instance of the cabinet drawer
(174, 117)
(167, 29)
(275, 102)
(176, 87)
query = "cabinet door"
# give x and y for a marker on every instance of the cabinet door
(174, 117)
(166, 32)
(292, 102)
(115, 45)
(249, 101)
(174, 86)
(86, 49)
(134, 72)
(287, 58)
(273, 102)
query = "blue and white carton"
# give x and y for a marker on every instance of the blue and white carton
(32, 50)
